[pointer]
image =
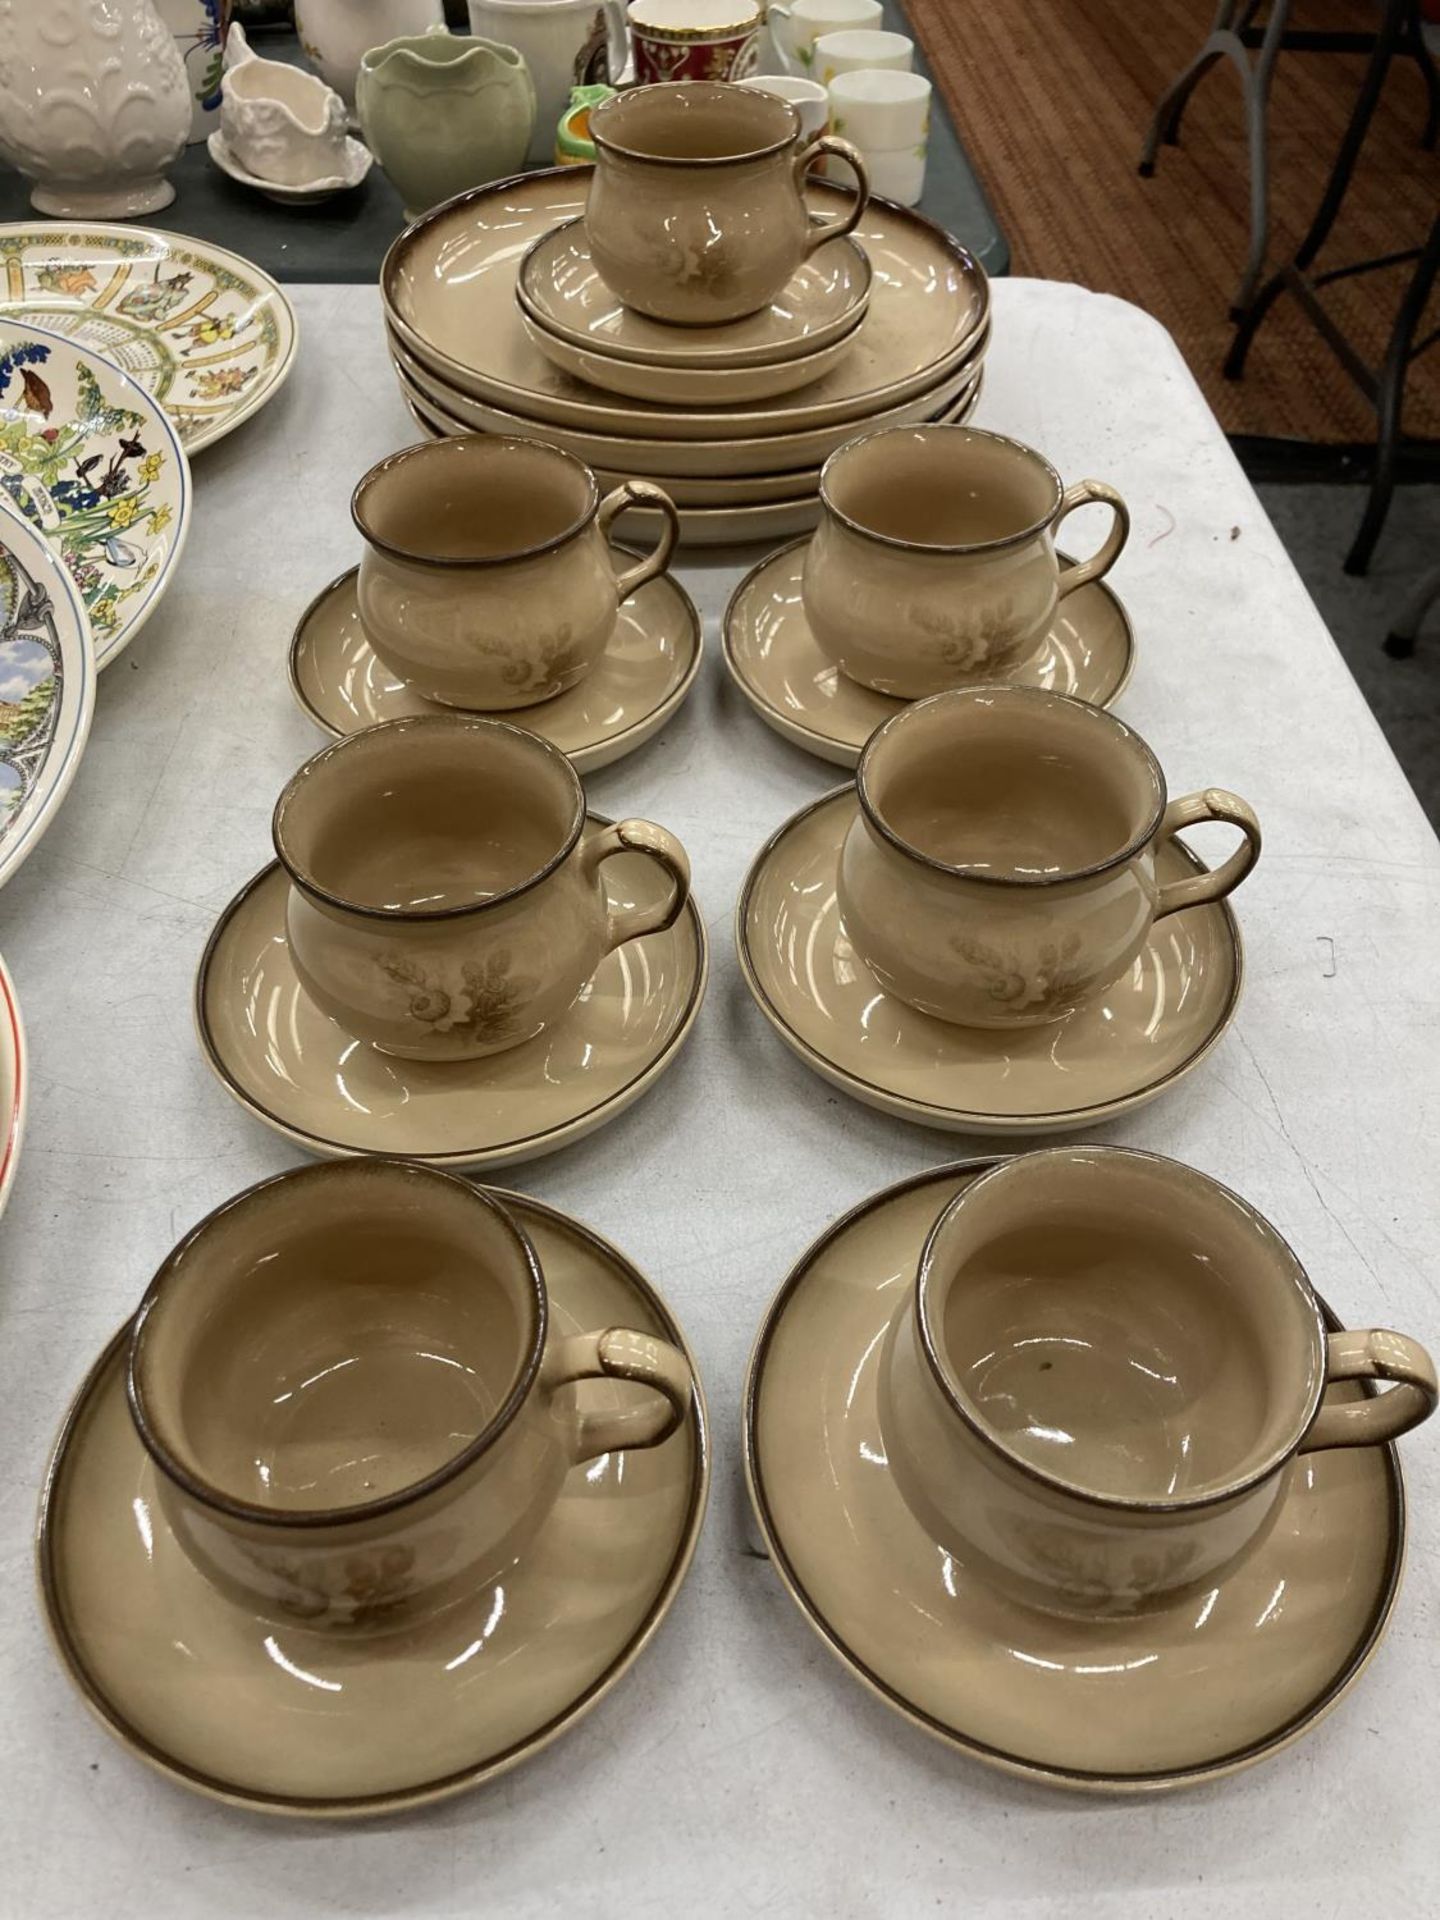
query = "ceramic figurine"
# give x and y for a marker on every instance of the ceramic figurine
(556, 38)
(573, 145)
(199, 27)
(335, 33)
(442, 112)
(94, 104)
(280, 123)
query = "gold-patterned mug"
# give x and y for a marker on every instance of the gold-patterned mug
(1096, 1388)
(487, 580)
(357, 1408)
(934, 562)
(446, 898)
(1001, 868)
(697, 211)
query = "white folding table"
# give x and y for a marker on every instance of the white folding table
(737, 1769)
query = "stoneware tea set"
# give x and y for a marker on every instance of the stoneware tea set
(1061, 1454)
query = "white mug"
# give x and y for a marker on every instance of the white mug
(808, 97)
(794, 28)
(848, 52)
(882, 110)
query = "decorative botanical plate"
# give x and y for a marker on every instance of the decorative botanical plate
(205, 332)
(14, 1083)
(91, 460)
(47, 685)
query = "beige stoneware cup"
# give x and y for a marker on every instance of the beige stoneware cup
(1106, 1372)
(1001, 867)
(697, 209)
(934, 562)
(446, 901)
(353, 1398)
(487, 580)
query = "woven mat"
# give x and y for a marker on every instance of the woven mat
(1053, 102)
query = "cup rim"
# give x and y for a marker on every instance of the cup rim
(425, 722)
(958, 1402)
(926, 429)
(208, 1495)
(1027, 881)
(431, 449)
(712, 89)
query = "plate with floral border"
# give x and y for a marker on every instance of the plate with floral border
(207, 334)
(47, 685)
(94, 464)
(14, 1083)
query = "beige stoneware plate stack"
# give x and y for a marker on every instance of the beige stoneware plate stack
(476, 348)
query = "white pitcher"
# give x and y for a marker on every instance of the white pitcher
(94, 104)
(555, 37)
(336, 34)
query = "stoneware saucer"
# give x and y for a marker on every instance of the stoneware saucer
(558, 287)
(773, 659)
(704, 387)
(1146, 1032)
(358, 158)
(1209, 1683)
(639, 681)
(281, 1719)
(300, 1072)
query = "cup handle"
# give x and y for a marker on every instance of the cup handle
(641, 836)
(620, 1354)
(640, 493)
(842, 149)
(1081, 572)
(1213, 804)
(1374, 1355)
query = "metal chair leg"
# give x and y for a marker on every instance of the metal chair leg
(1391, 400)
(1400, 641)
(1165, 125)
(1257, 107)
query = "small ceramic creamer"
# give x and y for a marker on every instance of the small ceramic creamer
(279, 122)
(444, 111)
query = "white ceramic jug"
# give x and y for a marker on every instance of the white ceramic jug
(336, 34)
(94, 104)
(554, 36)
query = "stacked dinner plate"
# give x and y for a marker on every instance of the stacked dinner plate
(499, 323)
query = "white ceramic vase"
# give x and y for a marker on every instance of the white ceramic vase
(94, 104)
(199, 27)
(336, 34)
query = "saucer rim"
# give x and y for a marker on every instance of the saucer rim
(849, 321)
(961, 1119)
(1074, 1780)
(824, 746)
(617, 746)
(532, 1146)
(404, 1799)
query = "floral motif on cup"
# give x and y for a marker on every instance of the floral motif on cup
(477, 1001)
(1092, 1576)
(1043, 983)
(84, 476)
(31, 675)
(352, 1590)
(967, 642)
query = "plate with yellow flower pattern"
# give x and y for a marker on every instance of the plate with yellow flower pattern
(206, 333)
(95, 466)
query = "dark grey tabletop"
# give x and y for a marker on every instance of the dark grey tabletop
(345, 238)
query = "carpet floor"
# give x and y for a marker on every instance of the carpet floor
(1053, 102)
